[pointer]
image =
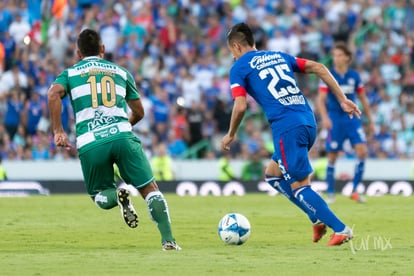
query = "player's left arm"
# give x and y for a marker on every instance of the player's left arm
(137, 111)
(367, 110)
(133, 99)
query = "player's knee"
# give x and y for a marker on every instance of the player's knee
(151, 187)
(300, 183)
(102, 202)
(361, 151)
(362, 154)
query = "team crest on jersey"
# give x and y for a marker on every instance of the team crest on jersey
(100, 120)
(334, 144)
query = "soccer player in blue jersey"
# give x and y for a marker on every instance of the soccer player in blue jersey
(338, 124)
(268, 77)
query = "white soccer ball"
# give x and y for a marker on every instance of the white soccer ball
(234, 229)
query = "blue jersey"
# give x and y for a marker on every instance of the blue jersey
(269, 78)
(343, 127)
(350, 84)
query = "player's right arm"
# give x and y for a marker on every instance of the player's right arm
(323, 73)
(239, 109)
(239, 93)
(55, 93)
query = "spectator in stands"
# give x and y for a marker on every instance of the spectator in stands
(394, 146)
(58, 42)
(190, 88)
(2, 58)
(13, 78)
(110, 33)
(162, 164)
(175, 146)
(320, 166)
(34, 109)
(18, 29)
(9, 49)
(3, 174)
(226, 172)
(195, 119)
(378, 32)
(40, 150)
(253, 169)
(161, 113)
(13, 113)
(6, 18)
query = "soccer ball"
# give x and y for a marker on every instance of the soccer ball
(234, 229)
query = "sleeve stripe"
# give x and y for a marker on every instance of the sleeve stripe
(301, 64)
(323, 89)
(360, 89)
(237, 90)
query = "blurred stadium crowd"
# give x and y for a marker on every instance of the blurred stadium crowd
(176, 50)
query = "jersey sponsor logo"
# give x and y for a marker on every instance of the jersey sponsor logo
(84, 68)
(100, 121)
(99, 65)
(348, 88)
(260, 62)
(113, 130)
(307, 204)
(104, 133)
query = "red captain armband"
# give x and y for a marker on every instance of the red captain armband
(237, 91)
(323, 89)
(360, 89)
(301, 62)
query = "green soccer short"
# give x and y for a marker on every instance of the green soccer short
(97, 165)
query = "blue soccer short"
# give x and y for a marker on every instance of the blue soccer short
(291, 152)
(342, 129)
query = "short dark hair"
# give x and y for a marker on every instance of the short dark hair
(344, 48)
(242, 34)
(89, 43)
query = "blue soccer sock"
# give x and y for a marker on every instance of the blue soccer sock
(359, 172)
(280, 185)
(318, 207)
(330, 178)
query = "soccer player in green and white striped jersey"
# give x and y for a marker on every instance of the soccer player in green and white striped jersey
(99, 92)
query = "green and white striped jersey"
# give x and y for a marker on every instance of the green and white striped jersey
(98, 91)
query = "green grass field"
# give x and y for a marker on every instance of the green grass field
(69, 235)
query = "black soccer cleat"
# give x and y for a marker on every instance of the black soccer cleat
(126, 207)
